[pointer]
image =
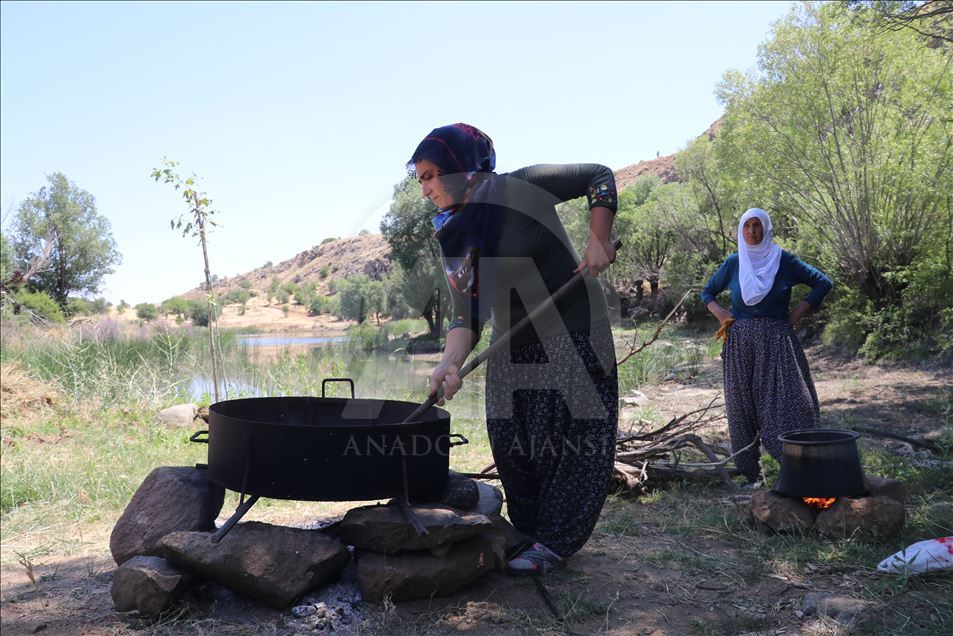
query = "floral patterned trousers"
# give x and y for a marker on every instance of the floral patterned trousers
(552, 420)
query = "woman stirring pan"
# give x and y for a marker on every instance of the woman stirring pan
(768, 385)
(551, 392)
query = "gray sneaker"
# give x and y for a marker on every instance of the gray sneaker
(533, 561)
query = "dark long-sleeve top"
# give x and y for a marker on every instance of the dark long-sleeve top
(507, 252)
(791, 271)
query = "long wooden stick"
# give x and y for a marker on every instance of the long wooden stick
(506, 337)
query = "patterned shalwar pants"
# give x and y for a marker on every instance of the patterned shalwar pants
(552, 419)
(768, 388)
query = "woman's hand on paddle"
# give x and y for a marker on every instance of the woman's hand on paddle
(599, 255)
(447, 377)
(600, 252)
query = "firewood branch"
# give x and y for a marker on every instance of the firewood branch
(658, 330)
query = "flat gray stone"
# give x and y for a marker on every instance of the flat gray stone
(179, 416)
(170, 499)
(386, 529)
(418, 574)
(274, 564)
(490, 502)
(148, 584)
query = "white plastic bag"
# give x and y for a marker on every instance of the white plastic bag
(922, 556)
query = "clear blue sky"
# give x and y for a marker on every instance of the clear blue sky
(298, 118)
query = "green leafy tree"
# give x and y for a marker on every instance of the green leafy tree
(196, 224)
(408, 231)
(146, 311)
(373, 292)
(350, 291)
(849, 127)
(79, 307)
(198, 312)
(236, 297)
(83, 250)
(323, 305)
(176, 306)
(304, 293)
(6, 259)
(932, 19)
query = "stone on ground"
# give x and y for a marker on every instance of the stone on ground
(386, 529)
(148, 584)
(274, 564)
(170, 499)
(780, 513)
(179, 416)
(418, 574)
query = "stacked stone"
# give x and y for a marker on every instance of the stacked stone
(458, 547)
(881, 513)
(162, 544)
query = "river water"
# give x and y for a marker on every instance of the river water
(297, 364)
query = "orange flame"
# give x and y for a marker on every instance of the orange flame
(820, 503)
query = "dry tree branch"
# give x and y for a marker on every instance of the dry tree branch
(658, 330)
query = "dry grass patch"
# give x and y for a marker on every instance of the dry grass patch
(23, 396)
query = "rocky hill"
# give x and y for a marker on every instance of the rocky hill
(369, 254)
(663, 167)
(366, 254)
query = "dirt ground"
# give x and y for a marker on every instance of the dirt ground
(635, 576)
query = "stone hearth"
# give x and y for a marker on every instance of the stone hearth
(881, 513)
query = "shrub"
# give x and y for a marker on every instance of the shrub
(236, 297)
(146, 311)
(323, 305)
(41, 304)
(176, 305)
(198, 312)
(79, 307)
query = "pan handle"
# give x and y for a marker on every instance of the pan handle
(465, 440)
(195, 437)
(348, 380)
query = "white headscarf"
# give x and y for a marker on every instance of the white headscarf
(757, 264)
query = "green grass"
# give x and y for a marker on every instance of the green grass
(706, 535)
(80, 462)
(112, 384)
(677, 352)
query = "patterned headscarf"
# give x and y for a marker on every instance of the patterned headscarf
(757, 264)
(457, 148)
(471, 230)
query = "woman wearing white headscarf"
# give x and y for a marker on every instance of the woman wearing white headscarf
(768, 386)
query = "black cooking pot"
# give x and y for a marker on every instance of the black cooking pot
(328, 449)
(820, 463)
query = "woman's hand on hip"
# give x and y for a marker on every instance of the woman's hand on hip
(446, 377)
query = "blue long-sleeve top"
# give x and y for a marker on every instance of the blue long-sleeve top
(791, 271)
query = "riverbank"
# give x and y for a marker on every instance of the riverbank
(684, 560)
